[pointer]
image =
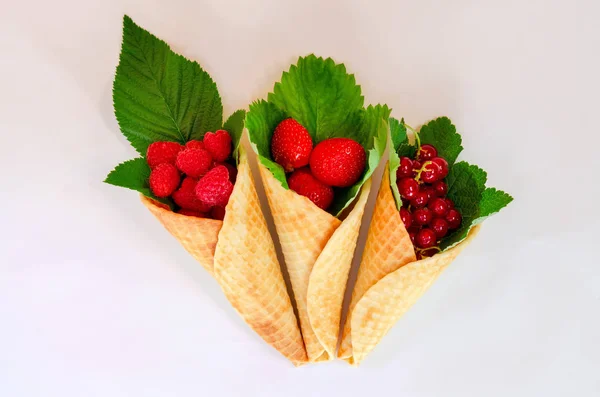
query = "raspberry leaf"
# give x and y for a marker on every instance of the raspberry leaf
(442, 134)
(159, 95)
(134, 174)
(235, 126)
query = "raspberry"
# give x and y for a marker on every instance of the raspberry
(305, 184)
(338, 161)
(291, 145)
(162, 152)
(164, 179)
(194, 162)
(194, 144)
(185, 196)
(214, 188)
(217, 213)
(232, 170)
(218, 144)
(197, 214)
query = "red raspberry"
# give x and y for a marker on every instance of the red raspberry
(291, 145)
(232, 170)
(217, 213)
(305, 184)
(214, 188)
(185, 196)
(194, 162)
(338, 161)
(194, 144)
(197, 214)
(164, 179)
(162, 152)
(218, 144)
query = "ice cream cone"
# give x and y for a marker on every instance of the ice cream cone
(318, 250)
(390, 279)
(240, 254)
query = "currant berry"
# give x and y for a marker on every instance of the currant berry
(416, 167)
(439, 227)
(422, 216)
(421, 199)
(450, 203)
(427, 152)
(406, 217)
(405, 169)
(429, 190)
(408, 188)
(431, 172)
(438, 206)
(453, 218)
(426, 238)
(443, 166)
(440, 188)
(413, 236)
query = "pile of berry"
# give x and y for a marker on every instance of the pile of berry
(426, 211)
(197, 176)
(313, 173)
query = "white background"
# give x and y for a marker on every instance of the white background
(97, 299)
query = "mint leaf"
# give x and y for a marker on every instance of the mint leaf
(321, 96)
(159, 95)
(442, 134)
(134, 174)
(492, 201)
(235, 126)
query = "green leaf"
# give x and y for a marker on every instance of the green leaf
(400, 148)
(235, 126)
(159, 95)
(442, 134)
(492, 201)
(134, 174)
(321, 96)
(397, 133)
(261, 121)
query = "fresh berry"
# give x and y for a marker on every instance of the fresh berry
(217, 213)
(338, 161)
(406, 217)
(416, 167)
(291, 145)
(194, 144)
(214, 188)
(425, 238)
(427, 152)
(305, 184)
(428, 189)
(444, 168)
(422, 216)
(218, 144)
(431, 172)
(454, 219)
(405, 170)
(185, 196)
(232, 170)
(439, 227)
(440, 188)
(194, 162)
(408, 188)
(164, 179)
(413, 236)
(421, 199)
(438, 206)
(450, 203)
(162, 152)
(187, 212)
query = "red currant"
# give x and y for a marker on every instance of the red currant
(408, 188)
(421, 199)
(416, 167)
(425, 238)
(429, 190)
(440, 188)
(405, 169)
(406, 217)
(422, 216)
(427, 152)
(431, 172)
(450, 203)
(438, 206)
(454, 219)
(439, 227)
(413, 236)
(443, 166)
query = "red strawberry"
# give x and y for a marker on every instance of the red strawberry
(185, 196)
(338, 161)
(162, 152)
(218, 144)
(232, 170)
(305, 184)
(217, 213)
(291, 145)
(197, 214)
(214, 188)
(164, 179)
(194, 145)
(194, 162)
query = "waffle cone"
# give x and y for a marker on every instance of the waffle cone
(390, 279)
(318, 250)
(240, 254)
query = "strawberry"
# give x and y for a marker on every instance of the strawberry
(194, 162)
(338, 161)
(162, 152)
(305, 184)
(194, 144)
(164, 179)
(185, 196)
(197, 214)
(291, 145)
(218, 144)
(214, 188)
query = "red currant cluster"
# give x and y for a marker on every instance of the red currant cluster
(426, 211)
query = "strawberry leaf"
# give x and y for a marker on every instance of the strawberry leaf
(134, 174)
